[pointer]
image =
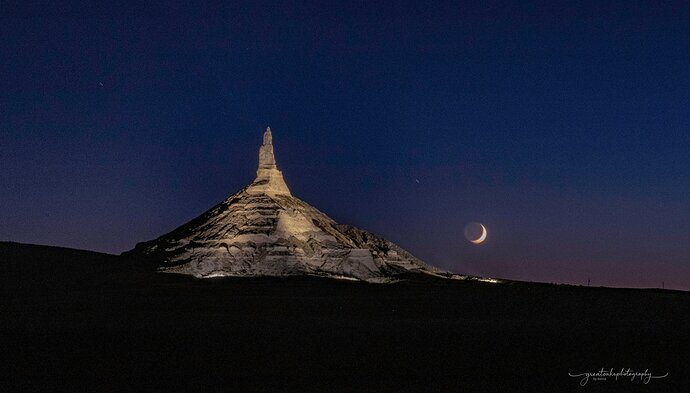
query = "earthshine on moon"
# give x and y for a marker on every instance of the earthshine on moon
(475, 232)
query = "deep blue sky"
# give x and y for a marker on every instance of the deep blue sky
(564, 127)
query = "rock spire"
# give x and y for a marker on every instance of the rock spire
(269, 180)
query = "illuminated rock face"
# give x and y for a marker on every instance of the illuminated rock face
(269, 180)
(265, 231)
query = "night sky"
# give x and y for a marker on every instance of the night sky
(563, 127)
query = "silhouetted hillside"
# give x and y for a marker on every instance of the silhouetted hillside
(84, 321)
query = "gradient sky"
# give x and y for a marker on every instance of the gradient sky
(564, 127)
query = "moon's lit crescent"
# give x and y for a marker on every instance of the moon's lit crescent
(482, 237)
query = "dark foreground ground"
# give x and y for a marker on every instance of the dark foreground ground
(80, 321)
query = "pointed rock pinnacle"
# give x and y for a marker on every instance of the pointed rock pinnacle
(266, 158)
(269, 180)
(268, 137)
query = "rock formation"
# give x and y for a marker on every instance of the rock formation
(265, 231)
(269, 180)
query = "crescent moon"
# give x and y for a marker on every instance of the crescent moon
(482, 237)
